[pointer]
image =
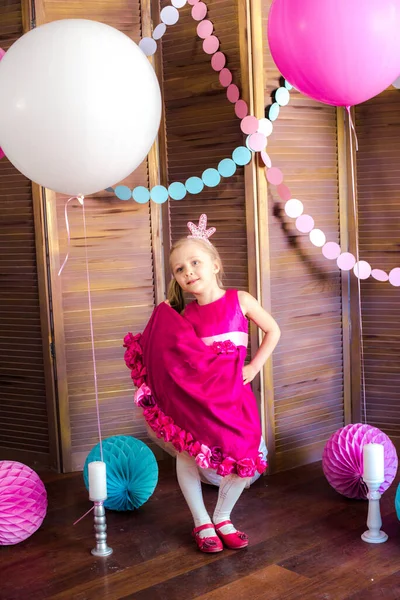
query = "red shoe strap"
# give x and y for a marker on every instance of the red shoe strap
(228, 522)
(202, 527)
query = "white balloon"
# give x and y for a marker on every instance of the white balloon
(80, 106)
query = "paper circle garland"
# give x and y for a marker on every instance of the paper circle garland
(23, 502)
(132, 471)
(256, 142)
(342, 459)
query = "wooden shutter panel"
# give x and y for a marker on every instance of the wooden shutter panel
(119, 249)
(378, 189)
(23, 411)
(305, 287)
(201, 130)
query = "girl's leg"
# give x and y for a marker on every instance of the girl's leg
(190, 484)
(230, 490)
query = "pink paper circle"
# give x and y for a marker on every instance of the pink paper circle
(362, 269)
(225, 77)
(317, 237)
(284, 192)
(257, 142)
(205, 29)
(305, 223)
(193, 2)
(218, 61)
(211, 45)
(379, 275)
(266, 160)
(293, 208)
(241, 109)
(233, 93)
(274, 175)
(331, 250)
(249, 124)
(199, 11)
(346, 261)
(394, 277)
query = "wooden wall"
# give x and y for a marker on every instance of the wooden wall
(305, 288)
(119, 244)
(24, 427)
(202, 129)
(378, 182)
(306, 385)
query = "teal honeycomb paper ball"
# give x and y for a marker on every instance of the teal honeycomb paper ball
(132, 471)
(397, 502)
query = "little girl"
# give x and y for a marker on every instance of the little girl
(193, 385)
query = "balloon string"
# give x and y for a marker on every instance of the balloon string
(83, 516)
(92, 335)
(80, 199)
(348, 108)
(352, 132)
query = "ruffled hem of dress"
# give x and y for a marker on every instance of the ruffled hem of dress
(164, 426)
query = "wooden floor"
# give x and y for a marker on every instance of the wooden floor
(304, 544)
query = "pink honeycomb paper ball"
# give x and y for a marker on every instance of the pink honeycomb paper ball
(23, 502)
(342, 460)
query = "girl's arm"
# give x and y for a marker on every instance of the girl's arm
(253, 311)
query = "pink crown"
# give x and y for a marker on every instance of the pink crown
(200, 231)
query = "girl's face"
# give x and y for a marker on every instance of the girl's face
(193, 268)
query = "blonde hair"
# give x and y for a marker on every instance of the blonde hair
(175, 293)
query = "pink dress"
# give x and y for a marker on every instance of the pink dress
(188, 370)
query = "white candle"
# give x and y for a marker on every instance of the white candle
(373, 463)
(97, 481)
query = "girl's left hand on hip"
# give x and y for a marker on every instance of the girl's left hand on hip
(249, 372)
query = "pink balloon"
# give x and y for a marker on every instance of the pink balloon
(339, 52)
(2, 155)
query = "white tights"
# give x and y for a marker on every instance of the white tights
(230, 490)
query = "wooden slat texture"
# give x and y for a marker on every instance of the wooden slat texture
(202, 129)
(305, 287)
(121, 276)
(23, 412)
(378, 185)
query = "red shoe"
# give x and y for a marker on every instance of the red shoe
(235, 540)
(207, 544)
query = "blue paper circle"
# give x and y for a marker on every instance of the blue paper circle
(159, 194)
(123, 192)
(141, 194)
(282, 96)
(288, 86)
(241, 156)
(132, 471)
(273, 111)
(177, 190)
(194, 185)
(211, 177)
(227, 167)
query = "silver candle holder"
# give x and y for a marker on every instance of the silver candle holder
(374, 535)
(100, 527)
